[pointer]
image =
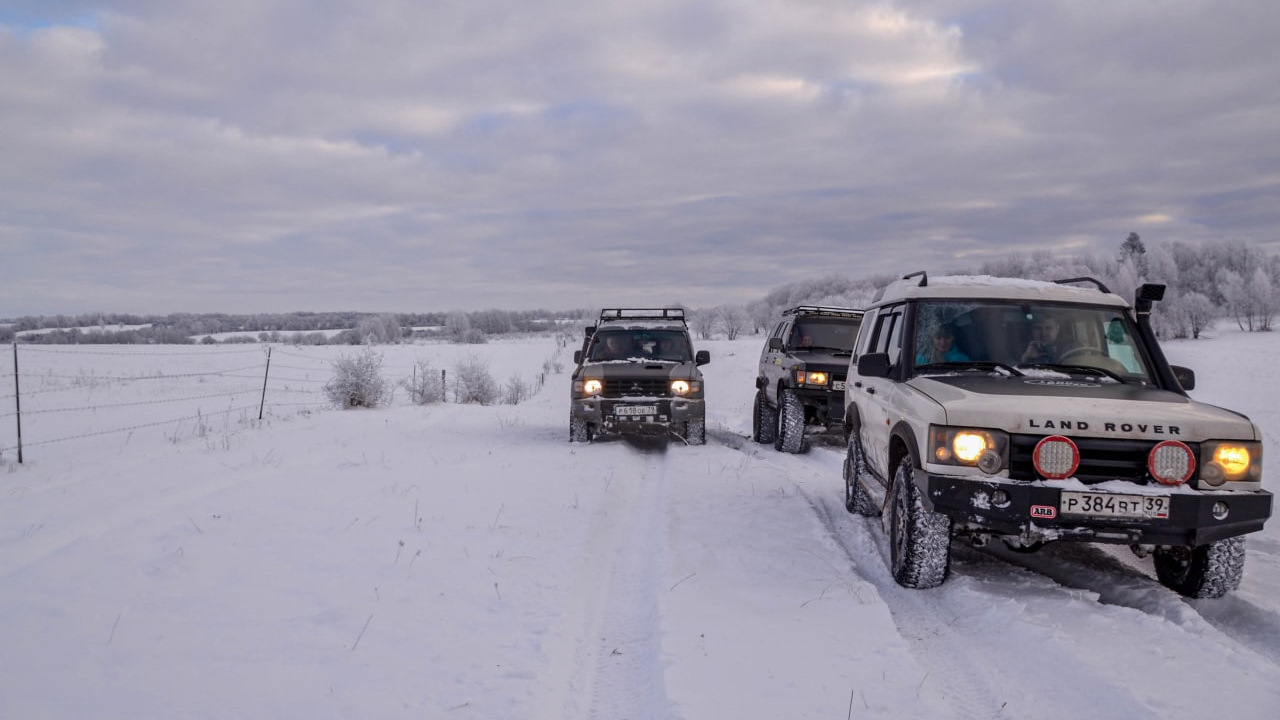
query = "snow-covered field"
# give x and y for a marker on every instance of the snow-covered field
(167, 555)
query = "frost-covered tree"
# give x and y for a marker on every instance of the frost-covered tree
(734, 319)
(1132, 250)
(703, 322)
(426, 385)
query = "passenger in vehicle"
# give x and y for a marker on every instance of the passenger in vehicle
(941, 348)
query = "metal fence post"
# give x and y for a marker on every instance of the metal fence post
(265, 373)
(17, 399)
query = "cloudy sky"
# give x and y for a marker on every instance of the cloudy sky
(412, 155)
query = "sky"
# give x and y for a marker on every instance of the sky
(399, 156)
(460, 562)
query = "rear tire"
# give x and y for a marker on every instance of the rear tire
(790, 438)
(920, 539)
(764, 419)
(1206, 571)
(856, 499)
(579, 430)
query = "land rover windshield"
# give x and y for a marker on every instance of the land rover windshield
(1053, 336)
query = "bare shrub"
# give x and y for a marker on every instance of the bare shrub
(475, 382)
(357, 381)
(426, 386)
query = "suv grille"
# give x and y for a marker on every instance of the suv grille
(636, 388)
(1101, 459)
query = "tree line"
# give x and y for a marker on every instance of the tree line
(1233, 279)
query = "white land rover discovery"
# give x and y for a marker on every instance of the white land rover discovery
(1033, 411)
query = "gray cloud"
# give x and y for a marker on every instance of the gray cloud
(392, 155)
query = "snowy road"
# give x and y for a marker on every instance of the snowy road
(468, 562)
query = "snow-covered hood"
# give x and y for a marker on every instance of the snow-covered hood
(1082, 407)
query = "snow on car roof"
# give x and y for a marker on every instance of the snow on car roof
(976, 287)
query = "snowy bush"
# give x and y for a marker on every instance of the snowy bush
(426, 386)
(516, 391)
(357, 381)
(475, 382)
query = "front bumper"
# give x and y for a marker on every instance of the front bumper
(604, 413)
(827, 404)
(1032, 513)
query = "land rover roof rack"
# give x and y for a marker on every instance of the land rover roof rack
(642, 314)
(1095, 282)
(823, 310)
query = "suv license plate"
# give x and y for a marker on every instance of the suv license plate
(635, 410)
(837, 384)
(1119, 506)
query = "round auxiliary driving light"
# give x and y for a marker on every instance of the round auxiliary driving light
(1220, 510)
(1171, 462)
(1055, 457)
(990, 462)
(1000, 499)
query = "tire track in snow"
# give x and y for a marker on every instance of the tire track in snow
(617, 670)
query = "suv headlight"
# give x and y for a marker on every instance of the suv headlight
(1224, 461)
(987, 450)
(588, 387)
(685, 387)
(812, 378)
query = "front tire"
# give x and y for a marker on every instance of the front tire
(764, 419)
(579, 430)
(856, 499)
(920, 539)
(695, 431)
(790, 438)
(1206, 571)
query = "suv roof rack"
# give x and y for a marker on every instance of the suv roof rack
(642, 314)
(1094, 281)
(823, 310)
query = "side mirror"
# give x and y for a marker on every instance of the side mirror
(874, 365)
(577, 357)
(1185, 376)
(702, 357)
(775, 343)
(588, 331)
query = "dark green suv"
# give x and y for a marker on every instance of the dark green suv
(802, 371)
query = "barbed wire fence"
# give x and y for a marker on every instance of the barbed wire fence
(102, 399)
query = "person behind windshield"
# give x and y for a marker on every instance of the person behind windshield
(616, 347)
(941, 349)
(1046, 345)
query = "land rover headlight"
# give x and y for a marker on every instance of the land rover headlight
(589, 387)
(811, 378)
(1230, 461)
(970, 447)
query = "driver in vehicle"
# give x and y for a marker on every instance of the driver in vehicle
(1045, 345)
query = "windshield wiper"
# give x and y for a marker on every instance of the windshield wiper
(832, 350)
(1080, 369)
(972, 365)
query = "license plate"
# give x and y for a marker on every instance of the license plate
(1119, 506)
(635, 410)
(837, 384)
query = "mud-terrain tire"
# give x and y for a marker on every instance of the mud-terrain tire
(764, 419)
(919, 539)
(856, 499)
(579, 430)
(695, 431)
(1206, 571)
(790, 438)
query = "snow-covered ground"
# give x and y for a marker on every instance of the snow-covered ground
(182, 559)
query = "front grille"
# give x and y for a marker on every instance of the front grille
(636, 388)
(1101, 459)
